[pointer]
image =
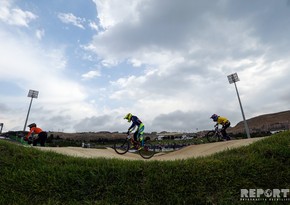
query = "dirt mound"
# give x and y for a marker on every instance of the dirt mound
(265, 123)
(185, 153)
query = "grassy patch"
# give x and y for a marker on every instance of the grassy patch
(30, 176)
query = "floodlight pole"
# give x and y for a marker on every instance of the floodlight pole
(32, 94)
(1, 125)
(233, 78)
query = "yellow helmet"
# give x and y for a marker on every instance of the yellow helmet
(128, 117)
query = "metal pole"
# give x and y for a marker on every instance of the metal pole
(27, 114)
(245, 122)
(1, 125)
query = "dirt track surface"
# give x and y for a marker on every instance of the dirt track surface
(184, 153)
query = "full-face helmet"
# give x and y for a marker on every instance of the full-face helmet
(32, 125)
(128, 117)
(214, 117)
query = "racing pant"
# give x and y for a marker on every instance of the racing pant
(224, 132)
(139, 132)
(42, 136)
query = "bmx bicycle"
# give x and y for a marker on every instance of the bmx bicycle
(122, 146)
(215, 135)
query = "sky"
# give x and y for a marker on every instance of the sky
(167, 62)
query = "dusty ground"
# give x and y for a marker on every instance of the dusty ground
(187, 152)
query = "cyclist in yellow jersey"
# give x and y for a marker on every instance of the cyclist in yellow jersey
(222, 121)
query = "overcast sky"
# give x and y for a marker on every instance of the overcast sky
(166, 61)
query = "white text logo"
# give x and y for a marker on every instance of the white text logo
(265, 195)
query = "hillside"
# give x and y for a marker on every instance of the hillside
(31, 176)
(265, 123)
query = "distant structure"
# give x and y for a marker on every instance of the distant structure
(175, 136)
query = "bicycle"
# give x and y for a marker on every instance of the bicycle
(214, 135)
(122, 146)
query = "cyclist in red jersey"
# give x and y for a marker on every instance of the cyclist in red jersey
(36, 135)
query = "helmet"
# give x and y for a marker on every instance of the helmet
(32, 125)
(214, 117)
(128, 117)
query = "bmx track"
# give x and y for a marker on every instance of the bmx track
(184, 153)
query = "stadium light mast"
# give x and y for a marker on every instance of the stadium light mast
(233, 78)
(32, 94)
(1, 127)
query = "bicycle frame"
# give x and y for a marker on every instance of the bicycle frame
(218, 132)
(137, 143)
(214, 135)
(123, 145)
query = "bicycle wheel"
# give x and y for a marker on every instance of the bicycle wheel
(147, 151)
(212, 136)
(121, 146)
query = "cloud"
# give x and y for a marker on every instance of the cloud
(185, 53)
(40, 69)
(114, 12)
(4, 107)
(15, 16)
(69, 18)
(168, 66)
(100, 123)
(93, 26)
(150, 35)
(91, 74)
(181, 121)
(39, 33)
